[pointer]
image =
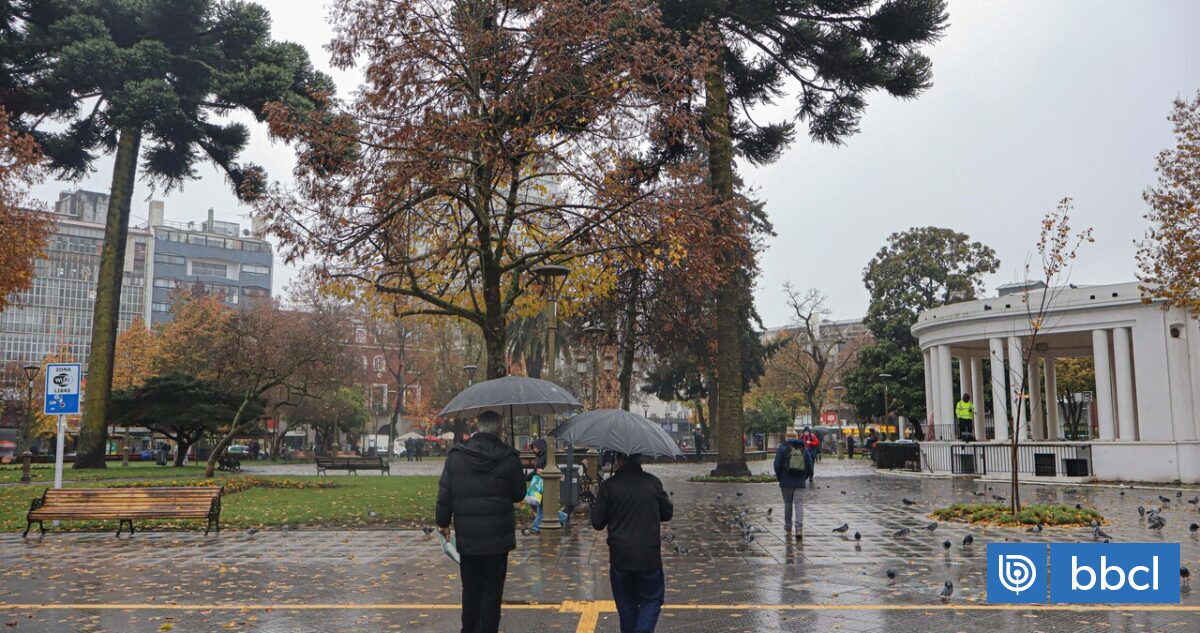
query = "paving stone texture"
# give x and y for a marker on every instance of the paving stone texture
(383, 580)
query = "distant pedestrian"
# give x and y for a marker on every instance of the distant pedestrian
(872, 440)
(632, 504)
(698, 439)
(792, 464)
(418, 448)
(964, 415)
(255, 449)
(850, 446)
(408, 449)
(481, 480)
(812, 443)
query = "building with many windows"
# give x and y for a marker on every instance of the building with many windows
(210, 255)
(56, 313)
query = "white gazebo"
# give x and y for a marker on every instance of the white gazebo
(1142, 421)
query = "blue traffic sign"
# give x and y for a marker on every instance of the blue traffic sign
(62, 389)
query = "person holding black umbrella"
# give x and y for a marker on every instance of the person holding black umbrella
(481, 480)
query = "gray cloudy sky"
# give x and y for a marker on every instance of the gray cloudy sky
(1032, 101)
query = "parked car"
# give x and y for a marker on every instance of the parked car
(237, 450)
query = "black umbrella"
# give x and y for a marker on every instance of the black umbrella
(516, 395)
(620, 431)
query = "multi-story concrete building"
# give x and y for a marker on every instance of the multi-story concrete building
(211, 255)
(56, 313)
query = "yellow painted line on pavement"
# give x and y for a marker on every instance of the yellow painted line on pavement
(596, 606)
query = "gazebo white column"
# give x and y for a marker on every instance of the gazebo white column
(1123, 370)
(925, 356)
(1016, 376)
(935, 385)
(1104, 396)
(1035, 400)
(945, 412)
(977, 396)
(999, 397)
(964, 377)
(964, 386)
(1053, 419)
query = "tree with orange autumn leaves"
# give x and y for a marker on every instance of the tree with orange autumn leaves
(23, 230)
(1169, 257)
(489, 139)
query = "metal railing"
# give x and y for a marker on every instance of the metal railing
(1040, 459)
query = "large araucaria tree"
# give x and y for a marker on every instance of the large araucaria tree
(93, 77)
(489, 138)
(830, 54)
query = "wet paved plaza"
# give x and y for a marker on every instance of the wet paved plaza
(381, 580)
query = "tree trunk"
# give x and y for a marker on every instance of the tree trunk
(93, 434)
(395, 418)
(731, 457)
(629, 347)
(181, 451)
(210, 468)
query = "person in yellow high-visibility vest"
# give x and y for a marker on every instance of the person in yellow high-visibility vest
(964, 414)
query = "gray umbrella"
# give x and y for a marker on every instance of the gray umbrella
(512, 395)
(620, 431)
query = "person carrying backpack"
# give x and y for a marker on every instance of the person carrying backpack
(793, 462)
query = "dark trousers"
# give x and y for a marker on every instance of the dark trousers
(639, 598)
(482, 589)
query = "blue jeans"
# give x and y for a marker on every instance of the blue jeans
(639, 598)
(537, 518)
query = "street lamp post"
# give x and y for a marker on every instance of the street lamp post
(838, 389)
(31, 372)
(551, 276)
(886, 378)
(459, 423)
(595, 334)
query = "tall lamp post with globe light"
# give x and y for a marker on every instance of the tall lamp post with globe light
(552, 277)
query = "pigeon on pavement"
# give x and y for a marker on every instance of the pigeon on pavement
(901, 533)
(891, 574)
(932, 526)
(857, 536)
(907, 502)
(841, 529)
(1037, 529)
(1098, 533)
(946, 545)
(947, 590)
(968, 539)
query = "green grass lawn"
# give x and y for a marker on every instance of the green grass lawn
(397, 502)
(45, 472)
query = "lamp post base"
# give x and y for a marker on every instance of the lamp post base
(550, 491)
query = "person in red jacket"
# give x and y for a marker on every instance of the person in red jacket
(812, 442)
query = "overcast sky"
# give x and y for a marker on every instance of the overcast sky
(1032, 101)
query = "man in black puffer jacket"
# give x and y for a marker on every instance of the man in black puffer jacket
(481, 480)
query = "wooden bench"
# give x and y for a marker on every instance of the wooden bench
(127, 504)
(352, 464)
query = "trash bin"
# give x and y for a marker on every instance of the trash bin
(568, 488)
